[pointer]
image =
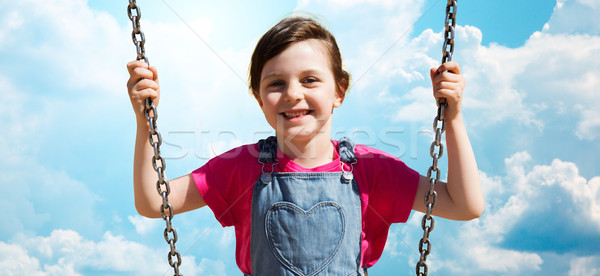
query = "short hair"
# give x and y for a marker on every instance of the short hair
(288, 31)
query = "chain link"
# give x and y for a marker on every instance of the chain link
(428, 222)
(158, 163)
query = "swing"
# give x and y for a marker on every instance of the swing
(431, 197)
(159, 165)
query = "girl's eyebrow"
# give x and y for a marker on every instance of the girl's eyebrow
(271, 75)
(311, 72)
(305, 72)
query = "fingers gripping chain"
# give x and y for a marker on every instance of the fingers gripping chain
(158, 163)
(431, 196)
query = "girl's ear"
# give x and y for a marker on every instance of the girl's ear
(257, 97)
(339, 99)
(341, 94)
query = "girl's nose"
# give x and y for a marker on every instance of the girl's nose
(293, 93)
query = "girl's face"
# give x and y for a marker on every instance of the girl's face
(298, 91)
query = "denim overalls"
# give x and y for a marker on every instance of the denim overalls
(305, 223)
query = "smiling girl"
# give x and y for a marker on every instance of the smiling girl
(302, 203)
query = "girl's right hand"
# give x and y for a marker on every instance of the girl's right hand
(142, 84)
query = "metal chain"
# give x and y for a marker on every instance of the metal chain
(158, 163)
(427, 222)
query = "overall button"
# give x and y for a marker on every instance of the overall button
(266, 178)
(347, 177)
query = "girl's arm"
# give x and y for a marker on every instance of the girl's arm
(461, 198)
(143, 83)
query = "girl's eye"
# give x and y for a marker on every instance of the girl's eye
(310, 80)
(276, 83)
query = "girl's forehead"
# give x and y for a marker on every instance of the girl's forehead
(305, 53)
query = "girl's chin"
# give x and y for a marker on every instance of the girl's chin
(296, 134)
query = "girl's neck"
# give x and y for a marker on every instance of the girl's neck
(308, 153)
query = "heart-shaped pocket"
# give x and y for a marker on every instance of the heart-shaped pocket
(305, 241)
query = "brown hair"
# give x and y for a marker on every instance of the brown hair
(288, 31)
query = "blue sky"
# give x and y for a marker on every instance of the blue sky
(68, 130)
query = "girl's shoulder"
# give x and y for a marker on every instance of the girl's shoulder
(244, 154)
(377, 162)
(367, 153)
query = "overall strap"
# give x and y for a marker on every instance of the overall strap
(346, 149)
(268, 150)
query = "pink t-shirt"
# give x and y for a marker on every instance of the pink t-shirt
(387, 191)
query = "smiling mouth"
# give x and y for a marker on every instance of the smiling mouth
(295, 114)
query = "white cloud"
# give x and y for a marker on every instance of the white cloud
(143, 225)
(558, 182)
(10, 21)
(585, 266)
(227, 238)
(501, 260)
(489, 75)
(34, 190)
(19, 263)
(589, 126)
(65, 37)
(551, 73)
(530, 192)
(586, 12)
(548, 200)
(415, 106)
(65, 252)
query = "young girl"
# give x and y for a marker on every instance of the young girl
(301, 203)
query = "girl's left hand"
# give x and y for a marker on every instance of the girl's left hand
(448, 83)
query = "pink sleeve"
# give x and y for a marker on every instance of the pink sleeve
(211, 194)
(390, 186)
(403, 186)
(225, 183)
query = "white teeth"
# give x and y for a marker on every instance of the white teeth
(294, 114)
